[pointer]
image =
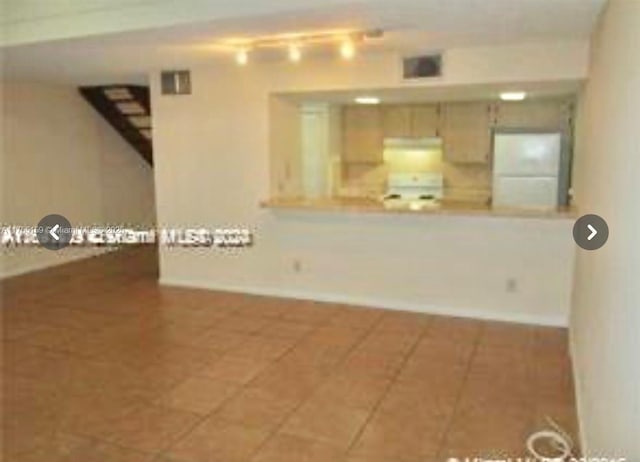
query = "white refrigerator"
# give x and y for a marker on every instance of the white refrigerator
(526, 169)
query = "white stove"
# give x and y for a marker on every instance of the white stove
(414, 191)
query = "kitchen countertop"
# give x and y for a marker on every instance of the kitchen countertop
(445, 207)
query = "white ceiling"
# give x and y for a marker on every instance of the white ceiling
(419, 94)
(410, 25)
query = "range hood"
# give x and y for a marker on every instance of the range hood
(413, 144)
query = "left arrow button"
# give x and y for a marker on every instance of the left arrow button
(54, 232)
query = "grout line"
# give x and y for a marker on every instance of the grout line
(392, 382)
(278, 427)
(465, 378)
(248, 385)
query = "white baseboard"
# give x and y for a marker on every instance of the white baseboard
(38, 266)
(577, 385)
(542, 320)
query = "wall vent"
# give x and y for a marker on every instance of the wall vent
(175, 82)
(422, 67)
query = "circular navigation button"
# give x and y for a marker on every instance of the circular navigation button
(54, 232)
(590, 232)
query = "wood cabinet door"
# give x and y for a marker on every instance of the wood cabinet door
(396, 121)
(362, 134)
(533, 114)
(466, 132)
(425, 120)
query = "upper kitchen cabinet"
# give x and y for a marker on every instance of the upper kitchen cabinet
(396, 121)
(362, 134)
(425, 121)
(466, 132)
(543, 114)
(414, 121)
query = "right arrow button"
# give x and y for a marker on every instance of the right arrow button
(590, 232)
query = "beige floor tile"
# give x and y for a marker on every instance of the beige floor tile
(255, 407)
(198, 395)
(551, 341)
(368, 364)
(221, 340)
(294, 380)
(439, 351)
(102, 364)
(287, 448)
(327, 422)
(262, 307)
(454, 329)
(424, 370)
(285, 330)
(389, 342)
(311, 313)
(488, 432)
(243, 324)
(508, 335)
(104, 452)
(234, 369)
(398, 437)
(351, 390)
(419, 400)
(402, 322)
(357, 317)
(216, 440)
(87, 451)
(382, 458)
(260, 348)
(150, 428)
(56, 448)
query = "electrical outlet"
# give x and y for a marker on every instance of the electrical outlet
(511, 285)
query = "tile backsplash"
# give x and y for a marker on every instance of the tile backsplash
(461, 182)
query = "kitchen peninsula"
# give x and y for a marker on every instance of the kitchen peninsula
(480, 158)
(455, 208)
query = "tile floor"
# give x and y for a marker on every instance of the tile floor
(100, 364)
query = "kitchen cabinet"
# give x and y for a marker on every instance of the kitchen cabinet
(466, 132)
(549, 114)
(362, 134)
(425, 121)
(396, 121)
(410, 121)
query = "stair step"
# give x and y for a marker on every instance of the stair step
(117, 94)
(131, 107)
(127, 109)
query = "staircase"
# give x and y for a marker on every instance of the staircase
(127, 109)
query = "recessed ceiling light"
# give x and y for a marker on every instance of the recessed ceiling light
(367, 100)
(242, 57)
(347, 49)
(294, 53)
(513, 96)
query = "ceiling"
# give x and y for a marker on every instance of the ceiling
(418, 94)
(410, 25)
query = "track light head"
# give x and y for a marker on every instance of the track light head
(242, 57)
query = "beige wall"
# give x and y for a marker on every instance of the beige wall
(60, 156)
(605, 321)
(212, 169)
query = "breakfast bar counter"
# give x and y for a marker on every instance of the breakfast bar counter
(443, 207)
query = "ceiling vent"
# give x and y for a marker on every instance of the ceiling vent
(175, 82)
(422, 67)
